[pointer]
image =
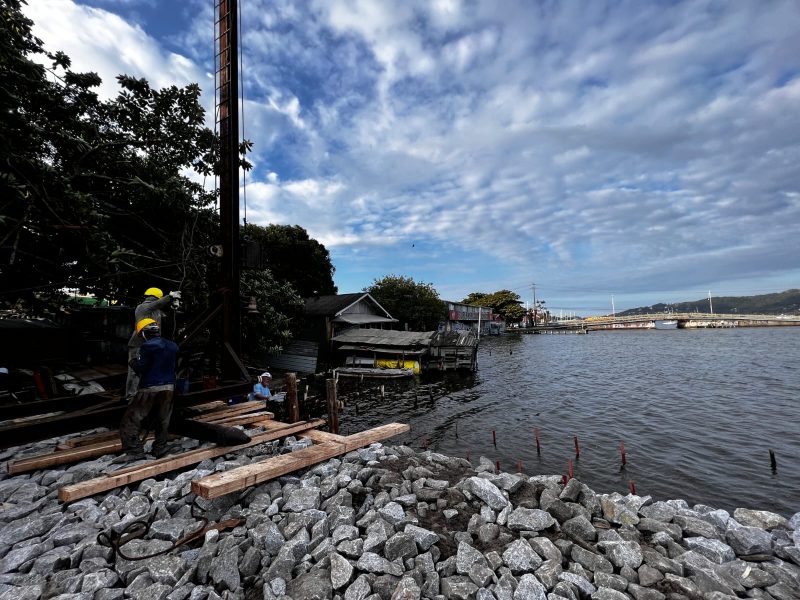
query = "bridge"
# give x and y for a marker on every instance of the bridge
(684, 321)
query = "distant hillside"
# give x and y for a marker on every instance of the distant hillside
(782, 303)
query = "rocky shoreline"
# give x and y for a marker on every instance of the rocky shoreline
(387, 523)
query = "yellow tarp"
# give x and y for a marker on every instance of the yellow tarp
(390, 363)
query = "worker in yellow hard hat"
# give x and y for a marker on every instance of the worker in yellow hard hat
(152, 307)
(155, 365)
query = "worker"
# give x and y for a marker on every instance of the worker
(261, 389)
(152, 307)
(155, 364)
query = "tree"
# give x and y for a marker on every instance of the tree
(279, 312)
(503, 302)
(294, 257)
(93, 192)
(416, 305)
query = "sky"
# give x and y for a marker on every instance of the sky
(645, 150)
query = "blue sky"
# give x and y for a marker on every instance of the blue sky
(647, 150)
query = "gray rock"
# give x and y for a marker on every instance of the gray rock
(372, 563)
(359, 589)
(93, 582)
(225, 569)
(29, 527)
(530, 588)
(622, 554)
(484, 594)
(546, 549)
(481, 575)
(648, 576)
(400, 545)
(583, 584)
(302, 499)
(166, 569)
(407, 589)
(705, 575)
(251, 562)
(423, 537)
(72, 534)
(458, 587)
(644, 593)
(695, 527)
(267, 537)
(590, 560)
(605, 593)
(394, 514)
(549, 572)
(157, 591)
(310, 586)
(486, 491)
(662, 563)
(520, 557)
(760, 518)
(609, 580)
(351, 548)
(712, 549)
(466, 556)
(615, 511)
(529, 519)
(341, 571)
(749, 540)
(581, 528)
(571, 491)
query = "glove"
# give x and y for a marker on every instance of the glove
(175, 295)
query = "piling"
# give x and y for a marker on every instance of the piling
(538, 445)
(632, 487)
(772, 462)
(293, 407)
(622, 453)
(569, 469)
(577, 448)
(494, 438)
(333, 406)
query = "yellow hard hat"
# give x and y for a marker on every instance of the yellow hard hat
(153, 292)
(144, 323)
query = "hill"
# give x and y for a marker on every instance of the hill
(782, 303)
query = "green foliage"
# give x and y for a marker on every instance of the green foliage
(412, 303)
(503, 302)
(294, 257)
(92, 191)
(279, 308)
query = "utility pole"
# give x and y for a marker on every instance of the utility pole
(710, 306)
(228, 82)
(533, 285)
(613, 310)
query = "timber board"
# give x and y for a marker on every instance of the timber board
(246, 476)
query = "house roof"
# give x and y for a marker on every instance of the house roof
(334, 305)
(362, 319)
(379, 337)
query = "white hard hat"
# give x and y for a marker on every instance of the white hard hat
(266, 374)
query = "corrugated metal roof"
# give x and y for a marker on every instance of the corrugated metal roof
(328, 306)
(379, 337)
(454, 338)
(371, 348)
(362, 319)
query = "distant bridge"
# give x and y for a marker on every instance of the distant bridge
(684, 321)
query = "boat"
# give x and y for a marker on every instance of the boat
(667, 324)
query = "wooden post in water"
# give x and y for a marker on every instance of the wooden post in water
(292, 407)
(333, 406)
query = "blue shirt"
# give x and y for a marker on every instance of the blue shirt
(260, 389)
(156, 363)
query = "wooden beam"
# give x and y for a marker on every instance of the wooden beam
(246, 476)
(153, 468)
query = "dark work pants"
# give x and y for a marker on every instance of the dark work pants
(144, 403)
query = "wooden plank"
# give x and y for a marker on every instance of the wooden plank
(246, 476)
(152, 468)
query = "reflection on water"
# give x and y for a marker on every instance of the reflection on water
(698, 411)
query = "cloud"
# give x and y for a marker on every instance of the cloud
(101, 41)
(640, 147)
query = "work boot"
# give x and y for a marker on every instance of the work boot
(160, 451)
(136, 454)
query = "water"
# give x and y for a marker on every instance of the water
(698, 411)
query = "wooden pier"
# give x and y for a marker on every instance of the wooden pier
(685, 321)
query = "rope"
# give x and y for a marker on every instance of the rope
(139, 529)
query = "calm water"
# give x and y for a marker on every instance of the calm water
(698, 411)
